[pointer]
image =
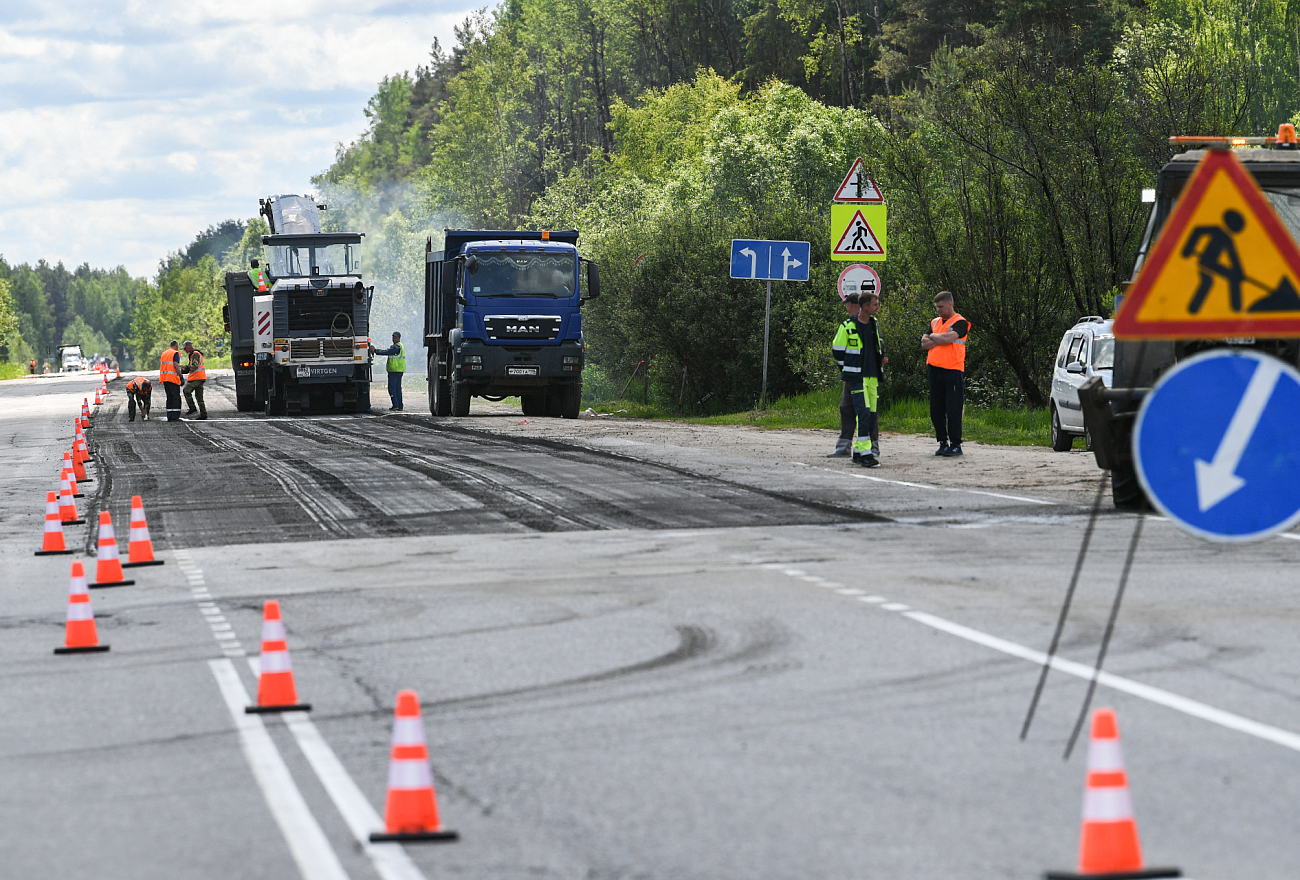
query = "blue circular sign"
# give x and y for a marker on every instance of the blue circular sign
(1217, 445)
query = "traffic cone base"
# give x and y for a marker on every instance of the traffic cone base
(266, 710)
(1145, 874)
(101, 585)
(89, 649)
(53, 552)
(140, 564)
(415, 837)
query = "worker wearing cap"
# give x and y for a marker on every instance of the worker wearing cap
(873, 364)
(195, 376)
(848, 419)
(848, 341)
(169, 374)
(139, 392)
(396, 354)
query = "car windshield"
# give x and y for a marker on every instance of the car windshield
(1286, 201)
(547, 274)
(302, 261)
(1103, 353)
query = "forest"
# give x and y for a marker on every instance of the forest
(1011, 138)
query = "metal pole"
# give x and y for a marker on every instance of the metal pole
(767, 325)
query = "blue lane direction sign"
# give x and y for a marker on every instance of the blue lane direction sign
(1217, 447)
(769, 260)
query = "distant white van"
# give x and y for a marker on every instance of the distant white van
(71, 359)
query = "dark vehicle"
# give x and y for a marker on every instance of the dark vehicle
(502, 317)
(1109, 413)
(305, 342)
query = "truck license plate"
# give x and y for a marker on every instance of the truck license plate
(523, 371)
(304, 372)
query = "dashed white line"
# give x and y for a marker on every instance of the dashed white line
(895, 606)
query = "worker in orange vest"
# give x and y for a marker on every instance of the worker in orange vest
(139, 392)
(945, 345)
(195, 375)
(169, 374)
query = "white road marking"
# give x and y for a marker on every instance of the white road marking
(874, 600)
(849, 591)
(941, 488)
(308, 844)
(894, 606)
(1156, 695)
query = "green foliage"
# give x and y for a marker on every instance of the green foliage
(215, 241)
(80, 333)
(10, 339)
(185, 303)
(249, 247)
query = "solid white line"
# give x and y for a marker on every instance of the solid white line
(941, 488)
(1156, 695)
(308, 844)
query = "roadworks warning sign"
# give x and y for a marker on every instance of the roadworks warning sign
(1224, 265)
(858, 232)
(859, 186)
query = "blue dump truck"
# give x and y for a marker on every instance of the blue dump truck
(503, 317)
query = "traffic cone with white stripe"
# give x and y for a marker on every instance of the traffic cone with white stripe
(52, 544)
(139, 550)
(1108, 844)
(79, 446)
(85, 413)
(70, 475)
(411, 811)
(78, 469)
(275, 688)
(67, 506)
(108, 565)
(98, 400)
(81, 636)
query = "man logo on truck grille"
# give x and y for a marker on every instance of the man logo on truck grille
(523, 328)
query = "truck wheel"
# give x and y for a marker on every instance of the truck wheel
(554, 403)
(363, 399)
(1126, 490)
(533, 404)
(570, 401)
(1061, 441)
(439, 389)
(459, 399)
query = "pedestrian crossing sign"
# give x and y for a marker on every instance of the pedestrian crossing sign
(1224, 265)
(858, 232)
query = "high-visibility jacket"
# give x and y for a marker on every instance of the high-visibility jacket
(168, 367)
(397, 362)
(847, 349)
(951, 356)
(258, 277)
(139, 385)
(197, 371)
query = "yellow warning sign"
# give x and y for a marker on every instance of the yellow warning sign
(858, 232)
(1223, 266)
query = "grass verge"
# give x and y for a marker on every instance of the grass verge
(12, 371)
(821, 409)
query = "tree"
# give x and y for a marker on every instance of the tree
(10, 339)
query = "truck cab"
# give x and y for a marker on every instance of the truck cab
(1109, 413)
(503, 317)
(70, 359)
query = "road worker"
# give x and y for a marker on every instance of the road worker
(257, 276)
(848, 419)
(396, 354)
(848, 339)
(195, 377)
(873, 363)
(945, 345)
(139, 392)
(169, 374)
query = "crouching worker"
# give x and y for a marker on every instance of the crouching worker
(139, 392)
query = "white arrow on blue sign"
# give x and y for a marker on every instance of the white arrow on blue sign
(1217, 445)
(769, 260)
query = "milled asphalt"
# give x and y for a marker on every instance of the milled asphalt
(626, 670)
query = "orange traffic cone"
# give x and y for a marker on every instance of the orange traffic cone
(119, 371)
(139, 550)
(67, 506)
(411, 811)
(68, 474)
(81, 637)
(79, 444)
(98, 400)
(53, 544)
(108, 565)
(78, 469)
(85, 414)
(275, 688)
(1108, 844)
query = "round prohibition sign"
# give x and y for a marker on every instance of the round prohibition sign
(1215, 446)
(858, 278)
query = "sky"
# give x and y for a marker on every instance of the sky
(126, 128)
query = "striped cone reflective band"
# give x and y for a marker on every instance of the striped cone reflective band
(411, 811)
(108, 565)
(67, 506)
(139, 549)
(98, 401)
(53, 541)
(81, 636)
(69, 474)
(276, 691)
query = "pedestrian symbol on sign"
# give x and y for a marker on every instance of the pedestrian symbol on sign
(858, 238)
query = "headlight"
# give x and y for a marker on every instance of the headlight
(474, 359)
(573, 360)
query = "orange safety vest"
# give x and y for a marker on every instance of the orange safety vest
(197, 372)
(167, 372)
(951, 356)
(139, 385)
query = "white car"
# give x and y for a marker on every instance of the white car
(1087, 350)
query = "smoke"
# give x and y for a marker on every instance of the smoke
(397, 222)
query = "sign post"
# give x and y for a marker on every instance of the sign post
(759, 260)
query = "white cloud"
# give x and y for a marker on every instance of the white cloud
(128, 127)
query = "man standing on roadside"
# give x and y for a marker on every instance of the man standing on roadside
(196, 376)
(848, 418)
(169, 374)
(848, 340)
(873, 364)
(946, 347)
(396, 354)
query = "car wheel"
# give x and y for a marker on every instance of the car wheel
(1061, 441)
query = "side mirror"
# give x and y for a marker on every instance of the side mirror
(471, 264)
(1074, 367)
(225, 316)
(593, 281)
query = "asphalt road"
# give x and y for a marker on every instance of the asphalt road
(631, 665)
